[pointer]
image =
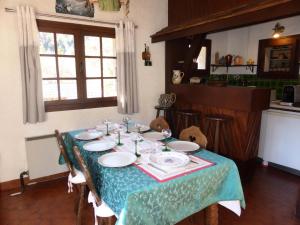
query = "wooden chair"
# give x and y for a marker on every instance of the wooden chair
(193, 134)
(162, 108)
(101, 210)
(216, 122)
(75, 177)
(159, 123)
(186, 118)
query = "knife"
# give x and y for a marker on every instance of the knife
(156, 167)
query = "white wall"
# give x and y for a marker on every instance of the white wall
(244, 41)
(150, 16)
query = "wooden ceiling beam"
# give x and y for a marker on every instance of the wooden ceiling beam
(241, 16)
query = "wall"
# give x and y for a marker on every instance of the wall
(244, 41)
(150, 16)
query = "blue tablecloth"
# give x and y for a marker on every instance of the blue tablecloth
(138, 199)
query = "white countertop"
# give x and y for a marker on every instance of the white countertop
(276, 105)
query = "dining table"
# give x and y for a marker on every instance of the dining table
(136, 198)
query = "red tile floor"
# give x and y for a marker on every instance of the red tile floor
(270, 197)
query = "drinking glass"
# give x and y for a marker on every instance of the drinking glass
(107, 123)
(119, 129)
(138, 127)
(166, 133)
(126, 122)
(136, 138)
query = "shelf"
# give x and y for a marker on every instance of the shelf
(248, 67)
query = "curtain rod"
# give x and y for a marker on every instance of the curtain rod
(10, 10)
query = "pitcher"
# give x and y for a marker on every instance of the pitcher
(177, 76)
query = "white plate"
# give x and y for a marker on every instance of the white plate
(102, 127)
(143, 128)
(169, 159)
(99, 146)
(155, 136)
(183, 146)
(87, 136)
(117, 159)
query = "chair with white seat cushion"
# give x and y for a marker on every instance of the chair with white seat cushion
(75, 177)
(101, 210)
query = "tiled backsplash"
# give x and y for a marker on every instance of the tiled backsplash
(253, 80)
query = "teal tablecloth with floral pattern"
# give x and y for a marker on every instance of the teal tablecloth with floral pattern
(138, 199)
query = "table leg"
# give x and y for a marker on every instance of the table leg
(298, 205)
(211, 215)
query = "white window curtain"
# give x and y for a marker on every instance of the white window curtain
(126, 68)
(33, 105)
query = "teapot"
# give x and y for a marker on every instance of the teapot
(177, 76)
(167, 100)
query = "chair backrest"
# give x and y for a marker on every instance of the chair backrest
(159, 123)
(193, 134)
(86, 174)
(62, 148)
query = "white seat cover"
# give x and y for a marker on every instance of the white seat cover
(102, 210)
(77, 179)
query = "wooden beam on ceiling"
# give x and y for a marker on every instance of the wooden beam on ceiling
(245, 15)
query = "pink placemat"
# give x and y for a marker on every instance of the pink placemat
(162, 174)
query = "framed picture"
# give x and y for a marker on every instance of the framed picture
(75, 7)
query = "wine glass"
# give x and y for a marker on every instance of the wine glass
(166, 133)
(136, 138)
(126, 122)
(138, 127)
(107, 123)
(119, 129)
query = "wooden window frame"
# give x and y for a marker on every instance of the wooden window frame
(79, 31)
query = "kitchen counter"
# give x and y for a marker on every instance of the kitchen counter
(249, 99)
(276, 105)
(239, 138)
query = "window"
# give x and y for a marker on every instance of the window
(78, 66)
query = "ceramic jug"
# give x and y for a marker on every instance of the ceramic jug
(177, 76)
